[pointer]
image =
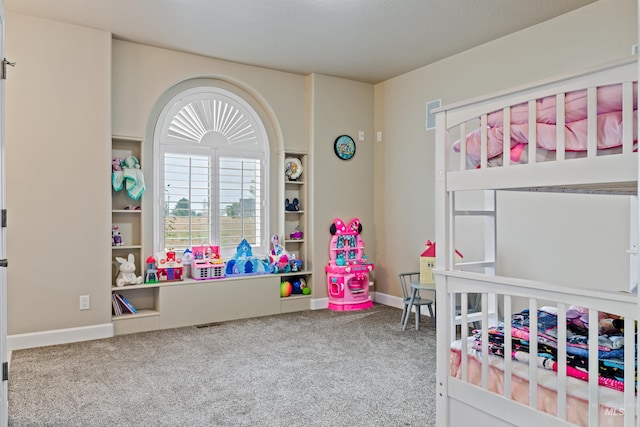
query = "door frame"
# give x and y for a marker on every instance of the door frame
(4, 403)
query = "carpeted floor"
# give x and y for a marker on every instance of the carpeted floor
(314, 368)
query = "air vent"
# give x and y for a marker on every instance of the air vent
(208, 325)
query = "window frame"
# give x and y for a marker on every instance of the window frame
(216, 147)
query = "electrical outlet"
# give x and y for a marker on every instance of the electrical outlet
(85, 302)
(379, 136)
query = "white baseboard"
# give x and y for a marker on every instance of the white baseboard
(394, 301)
(390, 300)
(59, 336)
(319, 303)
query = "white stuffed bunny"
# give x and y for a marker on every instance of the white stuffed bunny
(127, 275)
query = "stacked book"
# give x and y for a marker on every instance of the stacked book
(121, 305)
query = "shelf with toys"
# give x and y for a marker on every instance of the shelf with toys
(127, 182)
(296, 282)
(173, 289)
(295, 201)
(128, 186)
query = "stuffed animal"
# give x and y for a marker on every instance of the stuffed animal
(131, 178)
(131, 162)
(116, 164)
(127, 272)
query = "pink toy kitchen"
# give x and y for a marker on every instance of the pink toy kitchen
(348, 269)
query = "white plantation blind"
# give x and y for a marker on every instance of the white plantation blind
(187, 219)
(240, 176)
(212, 179)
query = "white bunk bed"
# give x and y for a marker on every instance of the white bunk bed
(473, 384)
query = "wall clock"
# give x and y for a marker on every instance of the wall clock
(344, 147)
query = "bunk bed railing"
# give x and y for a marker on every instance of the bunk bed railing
(455, 286)
(461, 120)
(612, 72)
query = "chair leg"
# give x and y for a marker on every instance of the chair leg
(404, 313)
(435, 315)
(406, 319)
(429, 306)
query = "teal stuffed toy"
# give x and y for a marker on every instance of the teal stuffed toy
(130, 177)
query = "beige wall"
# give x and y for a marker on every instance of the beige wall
(141, 74)
(404, 161)
(58, 197)
(340, 189)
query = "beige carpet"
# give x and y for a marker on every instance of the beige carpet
(315, 368)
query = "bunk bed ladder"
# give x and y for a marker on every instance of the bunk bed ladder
(488, 304)
(633, 243)
(488, 265)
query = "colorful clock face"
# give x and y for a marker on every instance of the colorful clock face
(344, 147)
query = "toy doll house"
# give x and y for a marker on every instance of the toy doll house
(348, 269)
(170, 267)
(206, 263)
(428, 262)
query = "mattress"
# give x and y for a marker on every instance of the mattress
(577, 404)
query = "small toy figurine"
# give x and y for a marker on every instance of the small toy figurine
(297, 233)
(277, 248)
(151, 276)
(116, 237)
(279, 256)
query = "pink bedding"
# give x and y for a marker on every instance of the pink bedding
(610, 414)
(609, 123)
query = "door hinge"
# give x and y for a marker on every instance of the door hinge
(6, 62)
(3, 219)
(5, 371)
(4, 263)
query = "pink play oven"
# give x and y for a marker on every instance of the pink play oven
(348, 269)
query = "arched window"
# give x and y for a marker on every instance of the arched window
(212, 152)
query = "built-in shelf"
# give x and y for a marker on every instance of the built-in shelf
(139, 314)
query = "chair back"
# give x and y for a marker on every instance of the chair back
(405, 282)
(474, 303)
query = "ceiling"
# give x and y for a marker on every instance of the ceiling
(364, 40)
